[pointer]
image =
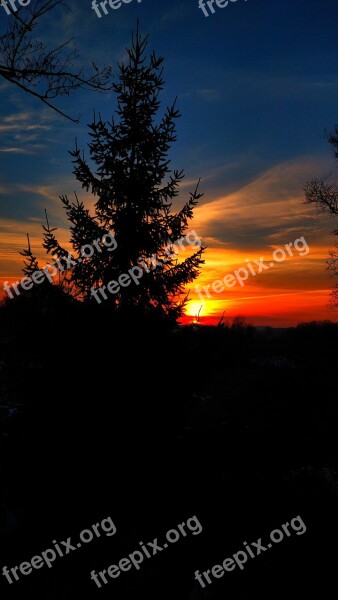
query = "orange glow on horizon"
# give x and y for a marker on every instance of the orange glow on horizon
(238, 229)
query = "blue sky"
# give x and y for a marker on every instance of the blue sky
(257, 85)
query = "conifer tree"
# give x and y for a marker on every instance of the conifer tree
(129, 174)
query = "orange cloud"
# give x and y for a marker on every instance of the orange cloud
(251, 223)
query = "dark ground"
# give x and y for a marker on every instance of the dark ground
(152, 426)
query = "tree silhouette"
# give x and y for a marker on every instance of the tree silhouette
(324, 194)
(45, 73)
(133, 200)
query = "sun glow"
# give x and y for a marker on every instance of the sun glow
(195, 309)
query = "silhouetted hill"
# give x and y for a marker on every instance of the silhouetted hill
(151, 424)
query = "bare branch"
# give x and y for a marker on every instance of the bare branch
(44, 73)
(323, 195)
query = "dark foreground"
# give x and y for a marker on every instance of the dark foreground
(152, 427)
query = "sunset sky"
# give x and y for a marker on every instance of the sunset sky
(257, 85)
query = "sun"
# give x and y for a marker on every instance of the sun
(194, 309)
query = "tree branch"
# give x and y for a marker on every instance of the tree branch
(44, 73)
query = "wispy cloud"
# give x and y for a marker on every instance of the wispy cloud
(17, 150)
(48, 196)
(23, 122)
(266, 211)
(29, 135)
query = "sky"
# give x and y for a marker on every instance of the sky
(257, 86)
